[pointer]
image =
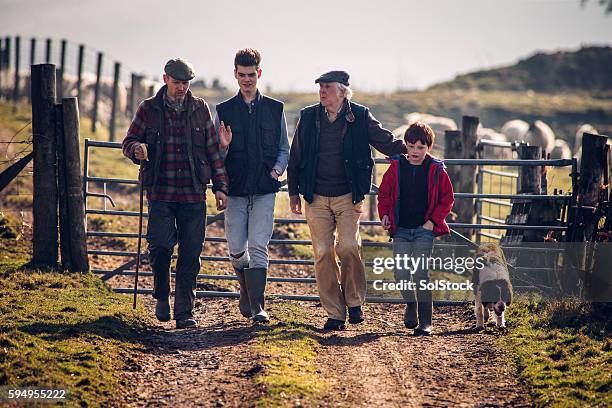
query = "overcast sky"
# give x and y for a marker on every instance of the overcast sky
(384, 44)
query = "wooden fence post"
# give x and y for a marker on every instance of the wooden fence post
(467, 174)
(591, 168)
(530, 177)
(1, 66)
(151, 90)
(64, 230)
(80, 70)
(115, 94)
(17, 76)
(74, 187)
(45, 177)
(94, 111)
(372, 199)
(452, 150)
(62, 70)
(48, 51)
(32, 61)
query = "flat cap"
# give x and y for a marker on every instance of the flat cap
(342, 77)
(179, 69)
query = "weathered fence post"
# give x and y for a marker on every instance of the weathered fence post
(74, 187)
(466, 212)
(32, 62)
(452, 150)
(372, 199)
(113, 117)
(17, 77)
(530, 177)
(62, 70)
(1, 67)
(94, 110)
(7, 62)
(151, 90)
(135, 93)
(32, 50)
(591, 168)
(64, 230)
(80, 71)
(45, 177)
(48, 51)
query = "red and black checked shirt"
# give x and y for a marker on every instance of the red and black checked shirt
(174, 181)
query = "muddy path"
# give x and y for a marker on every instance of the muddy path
(375, 364)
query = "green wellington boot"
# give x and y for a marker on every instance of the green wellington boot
(256, 279)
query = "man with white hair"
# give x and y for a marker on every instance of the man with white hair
(331, 165)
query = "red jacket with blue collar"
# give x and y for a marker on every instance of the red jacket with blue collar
(440, 196)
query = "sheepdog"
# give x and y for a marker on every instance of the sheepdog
(492, 287)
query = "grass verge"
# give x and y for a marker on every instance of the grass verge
(66, 331)
(289, 348)
(563, 351)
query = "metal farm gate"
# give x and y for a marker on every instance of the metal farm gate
(456, 241)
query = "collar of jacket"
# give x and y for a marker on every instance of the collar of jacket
(349, 116)
(158, 100)
(258, 97)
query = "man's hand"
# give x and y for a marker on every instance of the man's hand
(428, 225)
(221, 200)
(140, 152)
(358, 207)
(386, 224)
(295, 203)
(225, 135)
(274, 174)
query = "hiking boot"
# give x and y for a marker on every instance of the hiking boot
(334, 324)
(243, 304)
(355, 315)
(256, 279)
(162, 310)
(186, 323)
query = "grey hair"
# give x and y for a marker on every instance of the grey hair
(347, 91)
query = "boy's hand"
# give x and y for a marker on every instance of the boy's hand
(428, 225)
(386, 224)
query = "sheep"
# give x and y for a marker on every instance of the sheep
(561, 150)
(439, 124)
(493, 152)
(540, 134)
(515, 130)
(585, 128)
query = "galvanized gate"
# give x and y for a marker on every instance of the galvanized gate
(457, 241)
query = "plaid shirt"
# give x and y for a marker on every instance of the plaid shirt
(175, 181)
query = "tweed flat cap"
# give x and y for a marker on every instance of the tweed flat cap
(342, 77)
(179, 69)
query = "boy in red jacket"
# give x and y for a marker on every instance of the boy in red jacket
(414, 198)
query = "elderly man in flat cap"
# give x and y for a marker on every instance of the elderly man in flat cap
(331, 164)
(173, 137)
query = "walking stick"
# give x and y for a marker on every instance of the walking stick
(139, 234)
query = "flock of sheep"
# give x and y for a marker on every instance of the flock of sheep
(537, 133)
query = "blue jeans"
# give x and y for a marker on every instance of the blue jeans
(171, 223)
(415, 243)
(249, 221)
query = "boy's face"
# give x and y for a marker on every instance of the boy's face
(247, 78)
(416, 152)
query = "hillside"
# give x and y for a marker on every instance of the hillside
(588, 69)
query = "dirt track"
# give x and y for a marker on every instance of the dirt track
(375, 364)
